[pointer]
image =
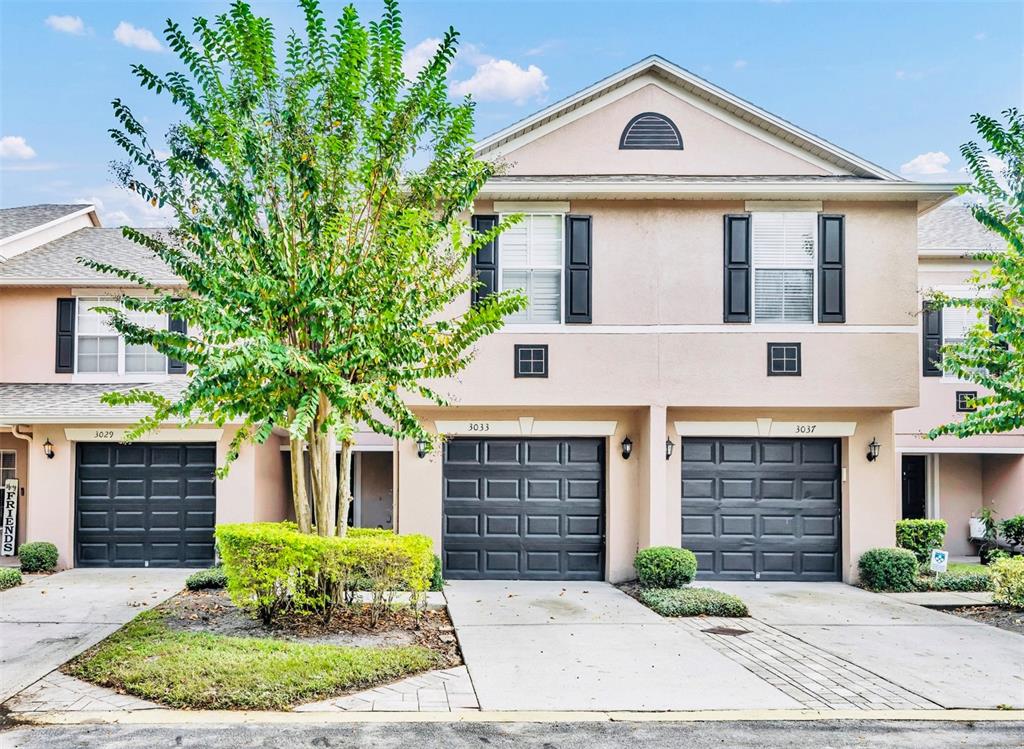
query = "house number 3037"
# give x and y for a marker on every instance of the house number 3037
(479, 426)
(805, 428)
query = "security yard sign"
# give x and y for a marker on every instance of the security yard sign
(940, 559)
(9, 530)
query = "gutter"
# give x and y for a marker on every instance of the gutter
(656, 188)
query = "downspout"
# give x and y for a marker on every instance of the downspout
(19, 435)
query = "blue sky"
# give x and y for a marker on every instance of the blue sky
(893, 82)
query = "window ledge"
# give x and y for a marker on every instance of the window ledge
(109, 378)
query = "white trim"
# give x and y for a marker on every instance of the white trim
(525, 427)
(936, 485)
(531, 206)
(85, 210)
(766, 427)
(714, 328)
(787, 206)
(357, 491)
(939, 449)
(116, 434)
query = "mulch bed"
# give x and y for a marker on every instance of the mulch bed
(1012, 620)
(212, 611)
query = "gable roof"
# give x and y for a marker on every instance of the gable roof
(19, 220)
(660, 67)
(952, 228)
(56, 262)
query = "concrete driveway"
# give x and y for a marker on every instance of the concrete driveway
(588, 646)
(949, 660)
(50, 620)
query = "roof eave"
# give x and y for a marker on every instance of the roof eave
(87, 282)
(89, 210)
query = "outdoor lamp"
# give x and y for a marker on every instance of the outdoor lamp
(669, 444)
(422, 446)
(48, 448)
(627, 448)
(873, 449)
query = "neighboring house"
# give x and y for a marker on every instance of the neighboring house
(953, 478)
(723, 321)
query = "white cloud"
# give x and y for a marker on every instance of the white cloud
(739, 64)
(137, 36)
(980, 36)
(928, 164)
(117, 206)
(414, 59)
(496, 80)
(66, 24)
(15, 147)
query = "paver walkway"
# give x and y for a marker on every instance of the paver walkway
(60, 692)
(449, 690)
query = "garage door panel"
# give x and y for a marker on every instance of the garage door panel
(816, 489)
(698, 451)
(778, 488)
(550, 526)
(821, 525)
(465, 452)
(737, 489)
(698, 525)
(820, 451)
(738, 525)
(738, 451)
(144, 504)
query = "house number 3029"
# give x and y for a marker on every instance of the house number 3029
(805, 428)
(479, 426)
(104, 434)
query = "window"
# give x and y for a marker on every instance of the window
(8, 464)
(531, 259)
(784, 359)
(956, 322)
(965, 401)
(783, 247)
(101, 350)
(531, 360)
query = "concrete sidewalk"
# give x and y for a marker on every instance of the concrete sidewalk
(50, 620)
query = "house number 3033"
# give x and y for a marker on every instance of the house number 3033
(479, 426)
(805, 428)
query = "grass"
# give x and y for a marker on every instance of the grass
(691, 602)
(215, 672)
(958, 568)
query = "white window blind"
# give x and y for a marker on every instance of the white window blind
(956, 322)
(101, 350)
(784, 258)
(530, 255)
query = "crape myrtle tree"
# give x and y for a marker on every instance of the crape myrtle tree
(320, 268)
(991, 353)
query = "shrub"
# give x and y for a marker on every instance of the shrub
(436, 578)
(888, 569)
(692, 602)
(963, 582)
(1013, 530)
(921, 536)
(1008, 582)
(38, 556)
(665, 567)
(213, 578)
(9, 577)
(272, 568)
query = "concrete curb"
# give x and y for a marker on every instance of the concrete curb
(221, 717)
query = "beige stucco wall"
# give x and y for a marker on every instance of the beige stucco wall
(960, 494)
(711, 144)
(1003, 484)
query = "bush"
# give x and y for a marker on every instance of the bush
(9, 577)
(888, 569)
(665, 567)
(213, 578)
(273, 569)
(38, 556)
(1013, 530)
(921, 536)
(962, 582)
(436, 578)
(691, 602)
(1008, 582)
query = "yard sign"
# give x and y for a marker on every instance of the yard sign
(9, 531)
(939, 560)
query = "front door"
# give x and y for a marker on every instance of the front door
(914, 467)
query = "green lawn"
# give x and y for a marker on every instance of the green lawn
(208, 671)
(959, 568)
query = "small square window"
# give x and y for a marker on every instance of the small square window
(531, 360)
(964, 400)
(783, 359)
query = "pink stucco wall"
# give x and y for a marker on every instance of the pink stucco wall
(28, 319)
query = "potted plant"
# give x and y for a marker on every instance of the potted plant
(989, 533)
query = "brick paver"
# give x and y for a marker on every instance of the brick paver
(60, 692)
(449, 690)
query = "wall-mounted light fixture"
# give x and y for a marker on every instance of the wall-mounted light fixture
(627, 448)
(422, 446)
(872, 450)
(669, 445)
(48, 449)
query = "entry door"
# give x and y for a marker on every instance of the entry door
(914, 483)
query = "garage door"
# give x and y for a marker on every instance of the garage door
(523, 509)
(144, 505)
(762, 509)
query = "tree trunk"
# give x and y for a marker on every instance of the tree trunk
(323, 471)
(299, 495)
(344, 487)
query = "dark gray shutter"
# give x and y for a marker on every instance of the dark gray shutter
(737, 268)
(177, 325)
(831, 269)
(578, 277)
(485, 261)
(931, 321)
(65, 336)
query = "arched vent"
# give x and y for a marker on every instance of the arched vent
(651, 131)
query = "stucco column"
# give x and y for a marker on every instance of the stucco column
(51, 500)
(871, 500)
(651, 453)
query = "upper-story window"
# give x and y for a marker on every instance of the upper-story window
(531, 256)
(956, 322)
(99, 349)
(652, 132)
(784, 256)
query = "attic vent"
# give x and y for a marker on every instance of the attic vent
(651, 131)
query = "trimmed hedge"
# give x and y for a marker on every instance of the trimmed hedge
(10, 577)
(273, 569)
(436, 578)
(1013, 530)
(213, 578)
(888, 569)
(692, 602)
(921, 536)
(1008, 582)
(665, 567)
(962, 582)
(38, 556)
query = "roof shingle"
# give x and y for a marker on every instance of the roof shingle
(23, 403)
(16, 220)
(953, 227)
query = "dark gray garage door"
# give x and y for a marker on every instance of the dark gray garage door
(523, 509)
(762, 509)
(144, 505)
